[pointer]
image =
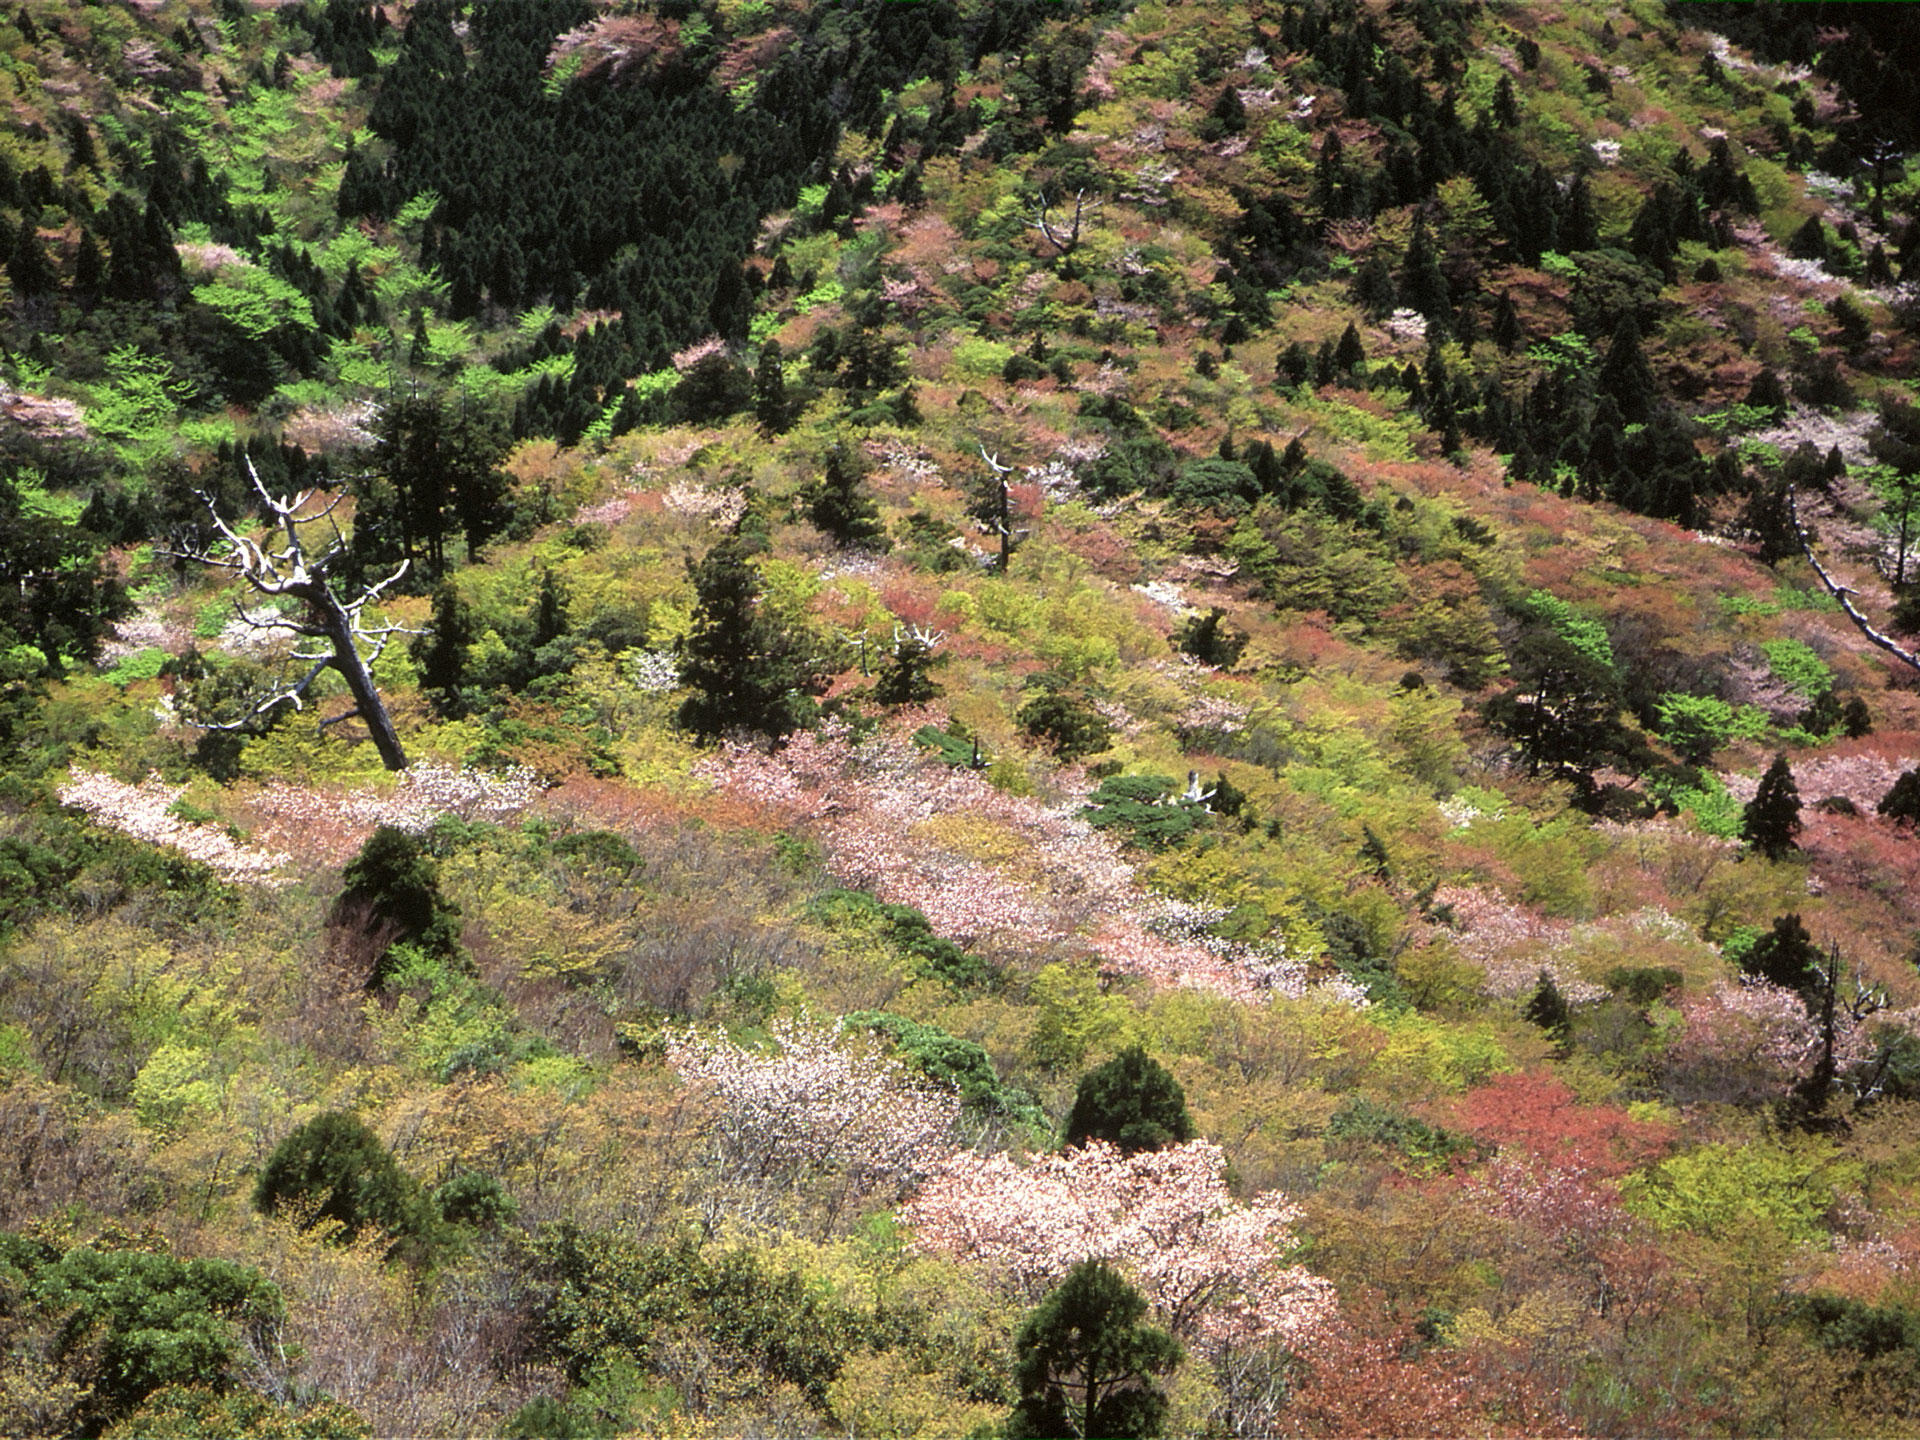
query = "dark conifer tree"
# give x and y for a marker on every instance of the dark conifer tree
(1422, 284)
(749, 673)
(1768, 394)
(770, 389)
(1506, 322)
(1771, 821)
(1373, 288)
(1131, 1102)
(1902, 802)
(1087, 1361)
(1547, 1008)
(839, 506)
(1350, 354)
(440, 656)
(1626, 377)
(1786, 956)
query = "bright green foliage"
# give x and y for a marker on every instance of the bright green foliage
(335, 1168)
(1772, 818)
(1132, 1102)
(609, 1300)
(133, 1321)
(1087, 1363)
(1717, 1189)
(1586, 636)
(1796, 665)
(54, 595)
(949, 1060)
(195, 1412)
(1698, 725)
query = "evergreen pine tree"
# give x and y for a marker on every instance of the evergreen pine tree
(1422, 285)
(440, 656)
(1132, 1102)
(1902, 802)
(1506, 322)
(838, 505)
(1768, 394)
(1785, 956)
(770, 389)
(1086, 1361)
(748, 672)
(906, 679)
(1772, 818)
(1350, 354)
(1626, 376)
(1548, 1008)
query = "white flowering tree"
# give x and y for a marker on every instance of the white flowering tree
(816, 1110)
(286, 568)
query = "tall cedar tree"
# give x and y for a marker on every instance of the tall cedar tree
(1771, 821)
(1133, 1102)
(440, 656)
(770, 389)
(1547, 1008)
(748, 673)
(1086, 1362)
(906, 677)
(1626, 376)
(838, 505)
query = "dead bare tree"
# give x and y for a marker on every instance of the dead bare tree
(1065, 240)
(1001, 522)
(1843, 594)
(284, 569)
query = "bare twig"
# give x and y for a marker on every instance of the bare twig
(1842, 593)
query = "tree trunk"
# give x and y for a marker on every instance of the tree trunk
(333, 618)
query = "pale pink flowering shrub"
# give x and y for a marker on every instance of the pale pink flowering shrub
(1214, 1270)
(331, 826)
(1512, 943)
(42, 417)
(720, 508)
(142, 812)
(1741, 1044)
(817, 1106)
(871, 804)
(685, 360)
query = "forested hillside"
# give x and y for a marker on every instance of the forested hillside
(980, 718)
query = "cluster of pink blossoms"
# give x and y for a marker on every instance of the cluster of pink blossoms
(143, 811)
(872, 804)
(1214, 1270)
(331, 826)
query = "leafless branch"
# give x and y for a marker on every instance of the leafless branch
(1842, 593)
(1063, 241)
(290, 571)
